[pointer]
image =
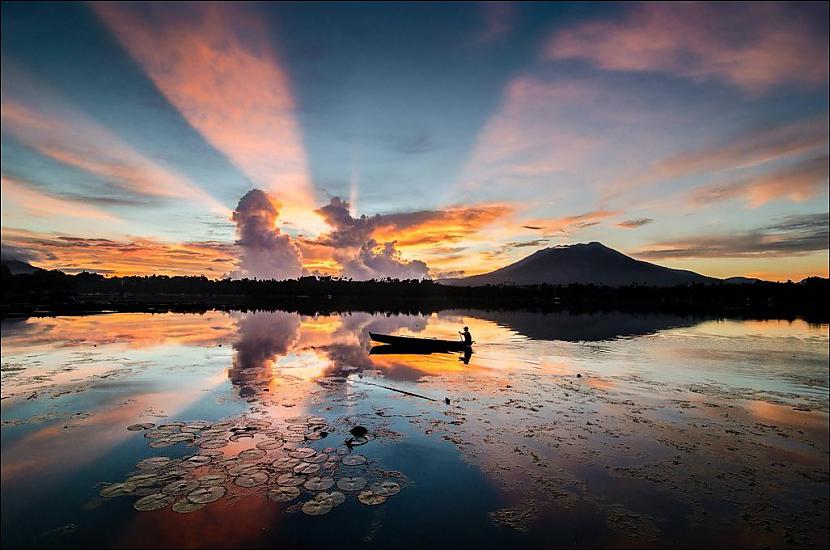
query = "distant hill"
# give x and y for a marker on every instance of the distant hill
(17, 267)
(591, 263)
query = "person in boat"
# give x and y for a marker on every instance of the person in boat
(468, 338)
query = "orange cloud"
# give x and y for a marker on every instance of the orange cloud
(779, 43)
(216, 64)
(138, 256)
(800, 182)
(570, 224)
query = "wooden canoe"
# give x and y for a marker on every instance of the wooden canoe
(419, 343)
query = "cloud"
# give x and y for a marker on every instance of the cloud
(755, 46)
(216, 64)
(376, 261)
(635, 223)
(791, 236)
(264, 337)
(128, 256)
(571, 224)
(19, 197)
(499, 21)
(799, 182)
(44, 121)
(265, 253)
(749, 149)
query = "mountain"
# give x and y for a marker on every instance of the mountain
(591, 263)
(17, 267)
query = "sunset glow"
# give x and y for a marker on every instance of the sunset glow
(397, 140)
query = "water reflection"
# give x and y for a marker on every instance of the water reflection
(669, 415)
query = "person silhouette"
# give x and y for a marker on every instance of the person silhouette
(468, 338)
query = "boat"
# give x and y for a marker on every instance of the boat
(408, 342)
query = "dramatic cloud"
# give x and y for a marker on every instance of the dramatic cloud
(263, 338)
(755, 46)
(799, 182)
(571, 224)
(265, 252)
(217, 65)
(137, 256)
(376, 261)
(635, 223)
(791, 236)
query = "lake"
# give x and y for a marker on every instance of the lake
(247, 429)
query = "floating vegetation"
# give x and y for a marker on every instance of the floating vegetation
(385, 488)
(290, 479)
(351, 483)
(323, 503)
(185, 506)
(302, 452)
(179, 487)
(212, 480)
(306, 468)
(353, 460)
(204, 495)
(252, 478)
(139, 427)
(251, 454)
(193, 481)
(371, 499)
(283, 493)
(285, 463)
(196, 461)
(319, 483)
(153, 501)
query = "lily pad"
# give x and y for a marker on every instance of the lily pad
(213, 444)
(285, 463)
(317, 459)
(154, 501)
(252, 478)
(283, 493)
(371, 499)
(385, 488)
(184, 506)
(212, 480)
(353, 460)
(180, 487)
(196, 461)
(269, 445)
(290, 479)
(318, 507)
(139, 427)
(337, 498)
(203, 495)
(153, 463)
(116, 490)
(242, 469)
(302, 452)
(351, 483)
(317, 483)
(251, 454)
(306, 468)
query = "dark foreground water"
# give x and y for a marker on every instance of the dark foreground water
(589, 430)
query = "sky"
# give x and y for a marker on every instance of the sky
(413, 139)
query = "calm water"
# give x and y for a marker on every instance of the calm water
(561, 430)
